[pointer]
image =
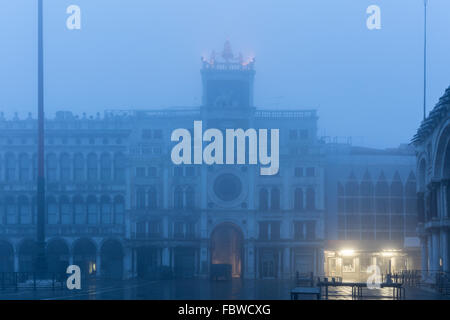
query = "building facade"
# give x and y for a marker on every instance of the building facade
(432, 143)
(119, 207)
(371, 211)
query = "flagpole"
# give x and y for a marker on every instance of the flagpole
(41, 263)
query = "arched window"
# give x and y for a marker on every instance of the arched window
(92, 210)
(178, 198)
(341, 199)
(66, 211)
(78, 167)
(24, 210)
(92, 167)
(411, 195)
(366, 194)
(52, 167)
(310, 199)
(275, 199)
(119, 167)
(140, 198)
(152, 198)
(263, 199)
(24, 163)
(79, 210)
(10, 167)
(190, 198)
(35, 167)
(119, 210)
(11, 211)
(382, 195)
(397, 195)
(106, 167)
(52, 211)
(64, 164)
(106, 214)
(352, 195)
(298, 199)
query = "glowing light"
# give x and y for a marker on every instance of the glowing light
(347, 252)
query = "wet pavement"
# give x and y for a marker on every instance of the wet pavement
(197, 289)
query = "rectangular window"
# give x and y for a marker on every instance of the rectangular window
(157, 134)
(303, 134)
(310, 172)
(152, 172)
(299, 172)
(140, 172)
(293, 134)
(146, 134)
(178, 171)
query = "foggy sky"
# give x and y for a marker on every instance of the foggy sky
(144, 54)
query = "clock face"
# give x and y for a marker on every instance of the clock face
(227, 187)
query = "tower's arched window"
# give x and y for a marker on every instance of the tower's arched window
(64, 164)
(298, 199)
(275, 199)
(310, 199)
(263, 199)
(24, 210)
(178, 198)
(152, 198)
(92, 166)
(78, 167)
(24, 163)
(140, 198)
(106, 167)
(106, 210)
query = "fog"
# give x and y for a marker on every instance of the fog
(319, 54)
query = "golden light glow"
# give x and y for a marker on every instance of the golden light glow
(347, 252)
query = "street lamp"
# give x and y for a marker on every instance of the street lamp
(41, 261)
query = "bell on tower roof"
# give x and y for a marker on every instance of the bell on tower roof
(227, 53)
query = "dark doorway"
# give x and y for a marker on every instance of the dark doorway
(57, 256)
(6, 257)
(84, 255)
(227, 247)
(112, 260)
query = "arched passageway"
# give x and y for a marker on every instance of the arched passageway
(57, 256)
(227, 246)
(84, 255)
(112, 259)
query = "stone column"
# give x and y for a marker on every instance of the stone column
(98, 263)
(166, 257)
(203, 257)
(445, 250)
(424, 257)
(250, 250)
(128, 263)
(16, 262)
(204, 190)
(436, 252)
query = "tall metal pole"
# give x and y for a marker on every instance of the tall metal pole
(41, 263)
(425, 62)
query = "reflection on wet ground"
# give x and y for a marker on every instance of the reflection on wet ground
(198, 289)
